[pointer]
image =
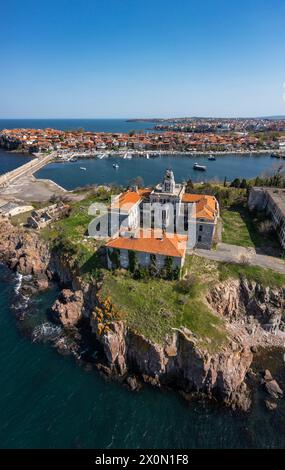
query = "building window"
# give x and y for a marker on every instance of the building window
(199, 238)
(200, 228)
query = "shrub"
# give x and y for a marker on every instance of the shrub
(189, 285)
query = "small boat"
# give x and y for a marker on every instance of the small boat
(147, 156)
(83, 168)
(73, 159)
(128, 156)
(115, 165)
(196, 166)
(212, 158)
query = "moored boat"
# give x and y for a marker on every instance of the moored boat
(198, 167)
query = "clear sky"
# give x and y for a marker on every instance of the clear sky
(142, 58)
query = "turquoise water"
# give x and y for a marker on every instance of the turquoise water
(9, 161)
(47, 400)
(70, 176)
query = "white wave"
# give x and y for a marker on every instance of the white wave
(19, 279)
(46, 330)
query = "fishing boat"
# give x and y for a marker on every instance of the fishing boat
(212, 158)
(198, 167)
(115, 165)
(83, 168)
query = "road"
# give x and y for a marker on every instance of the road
(238, 254)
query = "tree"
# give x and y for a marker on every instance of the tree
(225, 182)
(235, 183)
(132, 261)
(257, 181)
(243, 184)
(189, 186)
(137, 181)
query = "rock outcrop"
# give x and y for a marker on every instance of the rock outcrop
(24, 252)
(68, 308)
(179, 363)
(245, 300)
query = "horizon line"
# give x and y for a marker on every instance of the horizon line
(144, 118)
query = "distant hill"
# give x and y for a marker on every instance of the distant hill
(274, 117)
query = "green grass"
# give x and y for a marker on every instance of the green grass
(20, 219)
(241, 227)
(154, 307)
(212, 272)
(265, 277)
(68, 236)
(238, 229)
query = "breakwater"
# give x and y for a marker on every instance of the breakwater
(28, 168)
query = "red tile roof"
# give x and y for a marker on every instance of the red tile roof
(148, 241)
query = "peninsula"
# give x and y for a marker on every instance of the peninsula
(131, 310)
(190, 136)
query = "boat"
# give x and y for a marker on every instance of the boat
(83, 168)
(115, 165)
(147, 156)
(128, 156)
(212, 158)
(196, 166)
(73, 159)
(101, 155)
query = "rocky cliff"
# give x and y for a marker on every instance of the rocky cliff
(24, 252)
(248, 302)
(179, 362)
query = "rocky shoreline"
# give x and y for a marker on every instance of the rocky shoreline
(128, 356)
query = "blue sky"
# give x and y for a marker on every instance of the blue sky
(142, 58)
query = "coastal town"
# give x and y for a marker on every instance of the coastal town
(158, 275)
(197, 136)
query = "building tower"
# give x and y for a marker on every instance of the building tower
(168, 185)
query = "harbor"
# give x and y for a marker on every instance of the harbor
(102, 171)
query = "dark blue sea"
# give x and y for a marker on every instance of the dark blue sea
(70, 175)
(94, 125)
(49, 401)
(9, 161)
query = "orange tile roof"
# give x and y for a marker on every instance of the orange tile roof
(171, 245)
(205, 205)
(144, 192)
(126, 200)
